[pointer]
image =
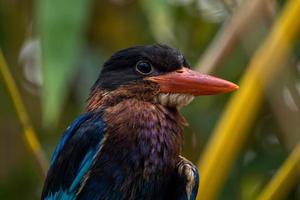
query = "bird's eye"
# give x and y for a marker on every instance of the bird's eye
(143, 67)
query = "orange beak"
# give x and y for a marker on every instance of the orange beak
(187, 81)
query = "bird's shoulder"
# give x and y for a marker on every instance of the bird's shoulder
(73, 156)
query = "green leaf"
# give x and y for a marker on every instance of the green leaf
(62, 24)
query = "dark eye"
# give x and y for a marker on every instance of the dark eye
(143, 67)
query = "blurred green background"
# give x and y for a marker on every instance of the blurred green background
(55, 50)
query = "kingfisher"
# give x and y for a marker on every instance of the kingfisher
(127, 145)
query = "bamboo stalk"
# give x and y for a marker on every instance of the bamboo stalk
(231, 131)
(30, 137)
(242, 21)
(284, 180)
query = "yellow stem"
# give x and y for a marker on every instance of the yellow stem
(29, 134)
(231, 131)
(284, 180)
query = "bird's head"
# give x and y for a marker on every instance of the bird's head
(154, 73)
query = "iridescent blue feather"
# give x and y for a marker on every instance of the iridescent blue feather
(73, 157)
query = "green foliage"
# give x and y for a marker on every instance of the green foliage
(62, 27)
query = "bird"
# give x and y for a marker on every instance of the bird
(127, 144)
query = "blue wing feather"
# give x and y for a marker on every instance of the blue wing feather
(70, 194)
(69, 132)
(73, 157)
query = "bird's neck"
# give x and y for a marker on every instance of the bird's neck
(149, 137)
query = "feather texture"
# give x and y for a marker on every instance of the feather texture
(127, 151)
(73, 157)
